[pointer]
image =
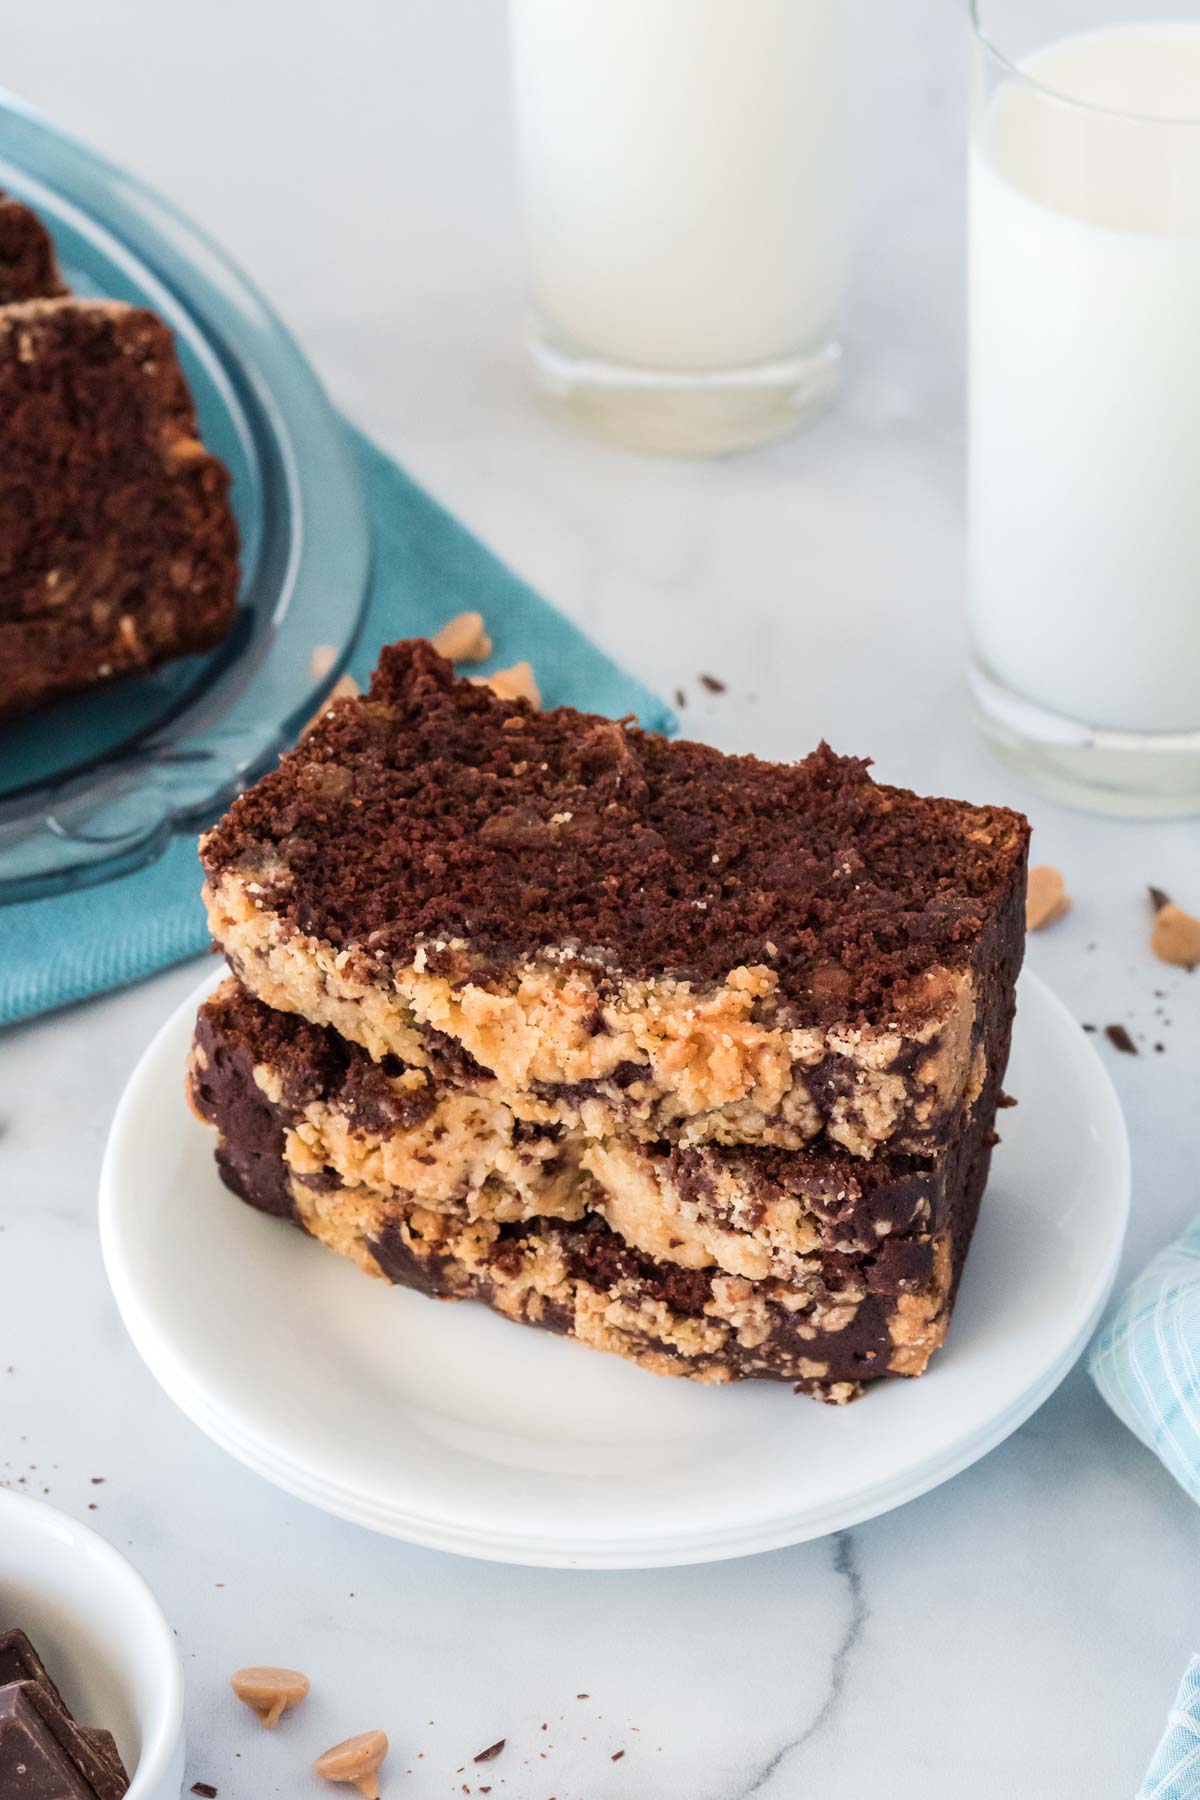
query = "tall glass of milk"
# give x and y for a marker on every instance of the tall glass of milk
(684, 176)
(1084, 378)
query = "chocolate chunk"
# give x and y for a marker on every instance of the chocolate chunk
(205, 1789)
(19, 1661)
(44, 1754)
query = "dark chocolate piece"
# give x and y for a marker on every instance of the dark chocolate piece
(19, 1661)
(44, 1754)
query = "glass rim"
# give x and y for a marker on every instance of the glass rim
(988, 43)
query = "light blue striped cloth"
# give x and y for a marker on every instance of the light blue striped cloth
(1175, 1772)
(1146, 1363)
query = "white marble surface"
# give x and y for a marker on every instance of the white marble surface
(1018, 1633)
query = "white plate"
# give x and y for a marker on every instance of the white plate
(451, 1427)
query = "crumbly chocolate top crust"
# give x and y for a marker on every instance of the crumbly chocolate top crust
(28, 266)
(430, 810)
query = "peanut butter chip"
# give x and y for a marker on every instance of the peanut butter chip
(321, 661)
(184, 450)
(1046, 900)
(270, 1692)
(357, 1760)
(463, 639)
(516, 683)
(1176, 937)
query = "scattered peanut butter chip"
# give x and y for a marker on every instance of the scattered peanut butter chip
(321, 661)
(357, 1760)
(184, 450)
(463, 639)
(1046, 899)
(516, 683)
(1176, 937)
(270, 1692)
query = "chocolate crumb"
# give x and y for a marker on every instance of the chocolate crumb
(1090, 1028)
(1160, 1048)
(1158, 899)
(712, 684)
(680, 699)
(1120, 1039)
(97, 1480)
(583, 1696)
(1005, 1101)
(617, 1755)
(204, 1788)
(492, 1750)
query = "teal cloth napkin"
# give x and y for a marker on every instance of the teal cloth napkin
(427, 568)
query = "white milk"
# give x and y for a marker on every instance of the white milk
(683, 164)
(1085, 382)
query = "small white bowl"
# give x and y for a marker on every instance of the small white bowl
(101, 1634)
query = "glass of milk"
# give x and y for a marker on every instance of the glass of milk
(683, 167)
(1084, 379)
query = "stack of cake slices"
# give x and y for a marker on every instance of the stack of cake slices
(118, 546)
(691, 1057)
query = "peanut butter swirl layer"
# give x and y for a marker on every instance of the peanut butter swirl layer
(712, 948)
(715, 1263)
(336, 1117)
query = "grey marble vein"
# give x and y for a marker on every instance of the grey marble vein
(845, 1565)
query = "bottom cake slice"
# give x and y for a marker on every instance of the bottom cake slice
(719, 1264)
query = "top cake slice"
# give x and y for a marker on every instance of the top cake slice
(703, 947)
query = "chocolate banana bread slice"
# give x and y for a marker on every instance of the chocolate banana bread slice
(710, 947)
(28, 266)
(717, 1263)
(118, 548)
